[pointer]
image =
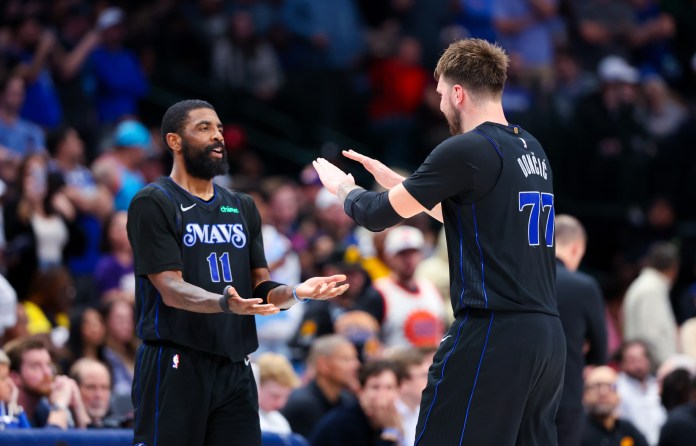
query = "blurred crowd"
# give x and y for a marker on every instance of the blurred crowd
(608, 86)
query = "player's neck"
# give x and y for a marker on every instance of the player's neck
(490, 111)
(195, 186)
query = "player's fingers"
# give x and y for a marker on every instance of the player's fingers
(247, 302)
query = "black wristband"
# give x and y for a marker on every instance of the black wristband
(224, 306)
(261, 291)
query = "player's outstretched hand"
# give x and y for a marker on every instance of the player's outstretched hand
(320, 288)
(330, 175)
(384, 176)
(243, 306)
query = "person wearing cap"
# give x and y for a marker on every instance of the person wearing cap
(491, 185)
(414, 312)
(119, 169)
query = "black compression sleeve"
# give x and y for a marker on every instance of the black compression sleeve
(261, 291)
(371, 210)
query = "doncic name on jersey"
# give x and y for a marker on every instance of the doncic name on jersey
(231, 233)
(531, 165)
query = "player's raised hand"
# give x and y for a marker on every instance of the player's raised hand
(331, 176)
(321, 288)
(384, 176)
(253, 306)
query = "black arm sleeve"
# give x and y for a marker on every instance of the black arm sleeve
(371, 210)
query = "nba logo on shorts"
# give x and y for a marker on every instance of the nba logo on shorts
(175, 361)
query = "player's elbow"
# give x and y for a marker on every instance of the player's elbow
(371, 210)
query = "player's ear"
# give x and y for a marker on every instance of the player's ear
(174, 141)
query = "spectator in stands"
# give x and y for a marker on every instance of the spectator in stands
(119, 169)
(603, 424)
(94, 383)
(526, 30)
(639, 392)
(604, 27)
(362, 329)
(48, 304)
(320, 316)
(333, 365)
(647, 309)
(120, 347)
(119, 77)
(38, 225)
(414, 312)
(113, 273)
(276, 381)
(371, 420)
(11, 415)
(92, 201)
(243, 60)
(20, 329)
(47, 399)
(436, 269)
(675, 389)
(612, 135)
(414, 364)
(8, 307)
(32, 48)
(87, 335)
(18, 137)
(398, 84)
(581, 307)
(680, 427)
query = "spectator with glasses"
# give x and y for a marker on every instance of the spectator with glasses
(603, 426)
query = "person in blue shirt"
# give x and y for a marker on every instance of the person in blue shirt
(11, 415)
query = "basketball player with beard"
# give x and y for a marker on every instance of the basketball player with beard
(201, 277)
(497, 376)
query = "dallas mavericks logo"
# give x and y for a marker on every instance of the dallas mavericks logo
(213, 234)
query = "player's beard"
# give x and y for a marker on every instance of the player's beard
(454, 120)
(200, 165)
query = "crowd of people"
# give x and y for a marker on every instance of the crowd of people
(606, 85)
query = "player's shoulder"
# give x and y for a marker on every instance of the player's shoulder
(158, 193)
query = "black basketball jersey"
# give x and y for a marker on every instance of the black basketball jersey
(214, 243)
(495, 186)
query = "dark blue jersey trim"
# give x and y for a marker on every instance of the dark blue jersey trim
(442, 376)
(495, 146)
(483, 269)
(478, 369)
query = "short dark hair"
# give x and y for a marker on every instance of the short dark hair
(621, 352)
(662, 256)
(55, 138)
(16, 348)
(176, 116)
(477, 65)
(376, 367)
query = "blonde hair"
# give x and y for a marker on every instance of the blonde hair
(477, 65)
(275, 367)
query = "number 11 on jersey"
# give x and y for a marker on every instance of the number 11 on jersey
(538, 201)
(224, 265)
